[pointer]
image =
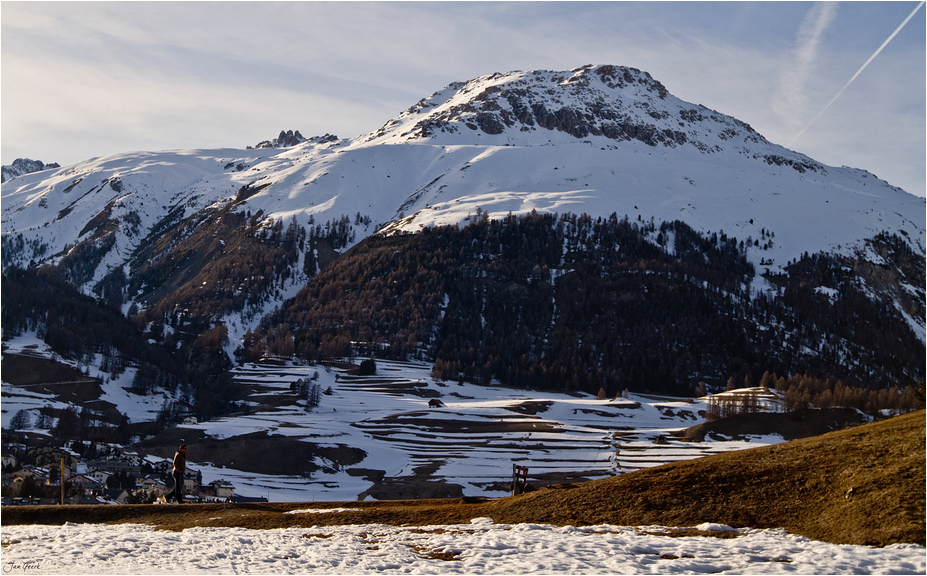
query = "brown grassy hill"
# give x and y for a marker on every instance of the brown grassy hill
(863, 485)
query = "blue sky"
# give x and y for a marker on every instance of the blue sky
(85, 79)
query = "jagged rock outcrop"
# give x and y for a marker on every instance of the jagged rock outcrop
(289, 138)
(22, 166)
(285, 139)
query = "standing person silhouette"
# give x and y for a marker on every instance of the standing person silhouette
(180, 466)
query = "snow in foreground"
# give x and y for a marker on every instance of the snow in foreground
(477, 548)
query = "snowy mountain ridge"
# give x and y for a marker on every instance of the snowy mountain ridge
(596, 139)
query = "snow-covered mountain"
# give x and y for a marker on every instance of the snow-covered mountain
(728, 258)
(597, 140)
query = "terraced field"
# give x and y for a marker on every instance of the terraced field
(464, 444)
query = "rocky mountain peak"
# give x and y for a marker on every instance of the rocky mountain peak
(289, 138)
(22, 166)
(617, 103)
(285, 139)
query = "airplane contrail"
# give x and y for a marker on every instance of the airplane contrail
(858, 72)
(791, 93)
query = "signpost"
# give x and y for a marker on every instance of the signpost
(519, 479)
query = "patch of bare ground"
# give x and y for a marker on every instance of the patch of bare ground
(257, 452)
(790, 425)
(862, 485)
(42, 375)
(45, 376)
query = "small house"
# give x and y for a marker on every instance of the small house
(52, 456)
(222, 488)
(152, 486)
(85, 481)
(100, 476)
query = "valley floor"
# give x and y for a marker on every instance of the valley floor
(378, 438)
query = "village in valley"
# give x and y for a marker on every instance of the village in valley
(114, 476)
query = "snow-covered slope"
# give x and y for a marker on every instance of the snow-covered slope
(598, 139)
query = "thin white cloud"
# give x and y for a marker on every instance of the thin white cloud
(790, 100)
